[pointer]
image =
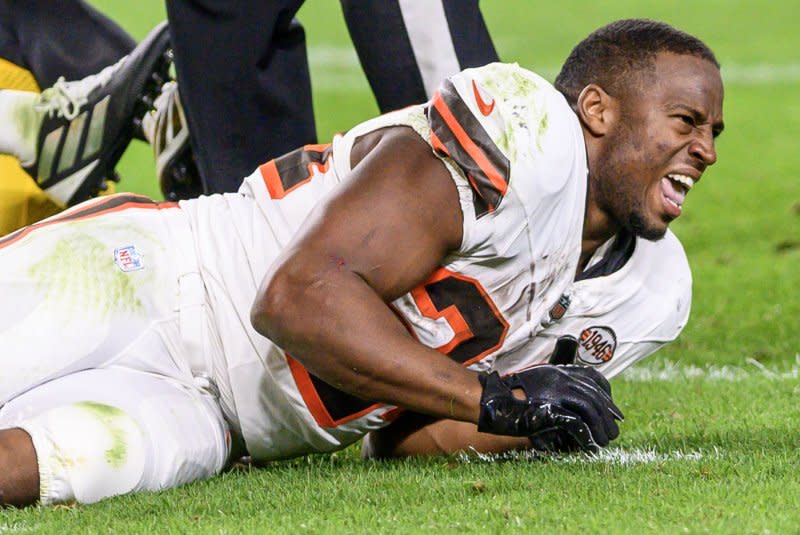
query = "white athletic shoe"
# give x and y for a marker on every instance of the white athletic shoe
(166, 129)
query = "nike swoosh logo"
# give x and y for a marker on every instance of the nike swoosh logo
(486, 109)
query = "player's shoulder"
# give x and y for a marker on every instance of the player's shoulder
(663, 278)
(516, 107)
(505, 81)
(652, 287)
(664, 262)
(502, 121)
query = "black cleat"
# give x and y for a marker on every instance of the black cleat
(89, 123)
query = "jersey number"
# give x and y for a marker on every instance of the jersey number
(292, 170)
(461, 301)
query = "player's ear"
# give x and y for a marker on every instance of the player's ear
(596, 109)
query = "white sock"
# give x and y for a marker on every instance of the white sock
(20, 125)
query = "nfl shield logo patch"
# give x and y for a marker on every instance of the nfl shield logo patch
(128, 259)
(560, 308)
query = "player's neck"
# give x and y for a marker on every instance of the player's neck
(598, 228)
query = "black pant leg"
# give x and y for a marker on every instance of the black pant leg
(59, 38)
(244, 82)
(471, 39)
(384, 49)
(397, 59)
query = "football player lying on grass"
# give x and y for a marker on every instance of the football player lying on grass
(426, 261)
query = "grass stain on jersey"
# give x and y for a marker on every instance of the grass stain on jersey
(418, 121)
(542, 127)
(80, 271)
(515, 89)
(503, 143)
(109, 417)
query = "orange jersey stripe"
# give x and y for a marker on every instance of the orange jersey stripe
(469, 146)
(269, 173)
(314, 403)
(283, 175)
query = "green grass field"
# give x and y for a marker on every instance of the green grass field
(710, 440)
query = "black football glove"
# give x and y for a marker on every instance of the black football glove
(565, 407)
(565, 351)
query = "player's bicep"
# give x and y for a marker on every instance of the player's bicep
(390, 223)
(418, 435)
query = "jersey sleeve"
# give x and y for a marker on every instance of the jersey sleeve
(511, 142)
(464, 128)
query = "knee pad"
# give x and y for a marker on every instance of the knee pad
(86, 451)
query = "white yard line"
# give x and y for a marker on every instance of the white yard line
(671, 371)
(613, 456)
(17, 527)
(761, 74)
(336, 69)
(619, 456)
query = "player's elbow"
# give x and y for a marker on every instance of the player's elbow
(275, 310)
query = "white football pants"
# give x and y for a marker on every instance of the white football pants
(94, 366)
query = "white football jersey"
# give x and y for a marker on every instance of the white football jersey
(617, 317)
(516, 153)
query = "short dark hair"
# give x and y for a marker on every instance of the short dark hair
(609, 55)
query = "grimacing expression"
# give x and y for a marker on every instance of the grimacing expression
(661, 145)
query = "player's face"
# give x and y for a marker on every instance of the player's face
(661, 145)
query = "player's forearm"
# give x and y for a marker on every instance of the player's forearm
(343, 333)
(414, 435)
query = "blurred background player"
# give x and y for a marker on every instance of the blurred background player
(261, 85)
(257, 105)
(34, 53)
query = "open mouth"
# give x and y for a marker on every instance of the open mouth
(674, 188)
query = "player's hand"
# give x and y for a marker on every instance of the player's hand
(565, 407)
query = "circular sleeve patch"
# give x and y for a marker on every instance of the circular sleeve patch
(597, 345)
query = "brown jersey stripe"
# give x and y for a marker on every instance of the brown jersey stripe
(479, 328)
(105, 205)
(492, 165)
(437, 145)
(455, 127)
(329, 406)
(480, 204)
(292, 170)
